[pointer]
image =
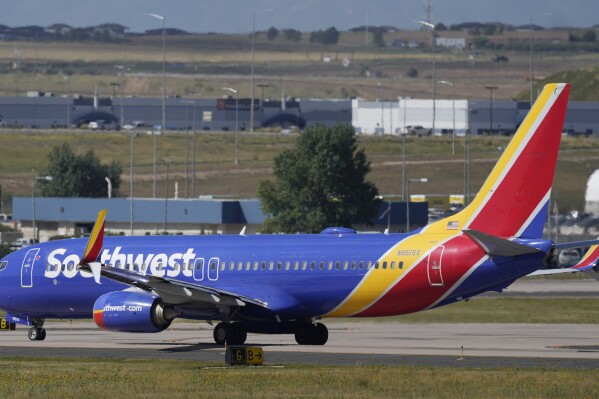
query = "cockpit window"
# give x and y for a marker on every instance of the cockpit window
(3, 265)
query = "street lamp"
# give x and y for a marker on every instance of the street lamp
(163, 19)
(121, 69)
(66, 78)
(236, 123)
(491, 88)
(133, 135)
(262, 86)
(168, 165)
(252, 72)
(420, 180)
(35, 179)
(434, 40)
(446, 82)
(403, 147)
(530, 58)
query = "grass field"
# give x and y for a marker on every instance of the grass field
(96, 378)
(23, 152)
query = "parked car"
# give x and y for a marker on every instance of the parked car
(568, 257)
(417, 130)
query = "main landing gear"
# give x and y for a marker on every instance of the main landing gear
(37, 334)
(231, 333)
(312, 334)
(305, 333)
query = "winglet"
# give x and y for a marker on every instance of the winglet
(589, 260)
(94, 244)
(498, 246)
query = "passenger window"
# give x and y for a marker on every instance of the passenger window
(361, 264)
(313, 265)
(330, 265)
(248, 265)
(279, 265)
(223, 266)
(369, 265)
(287, 265)
(304, 265)
(175, 267)
(231, 265)
(376, 265)
(345, 265)
(213, 266)
(271, 265)
(321, 265)
(384, 265)
(353, 265)
(295, 265)
(400, 265)
(239, 265)
(159, 268)
(393, 265)
(263, 265)
(256, 265)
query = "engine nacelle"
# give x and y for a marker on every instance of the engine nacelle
(132, 312)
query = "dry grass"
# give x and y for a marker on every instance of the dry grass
(92, 378)
(217, 175)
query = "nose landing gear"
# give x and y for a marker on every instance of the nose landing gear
(37, 334)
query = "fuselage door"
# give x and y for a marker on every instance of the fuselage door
(198, 269)
(213, 269)
(27, 268)
(435, 277)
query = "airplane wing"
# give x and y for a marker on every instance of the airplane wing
(174, 291)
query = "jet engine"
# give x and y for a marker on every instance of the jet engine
(132, 312)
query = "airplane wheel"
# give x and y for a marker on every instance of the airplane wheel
(36, 334)
(303, 334)
(222, 333)
(322, 335)
(238, 334)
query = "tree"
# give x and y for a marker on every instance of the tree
(589, 36)
(292, 35)
(320, 183)
(272, 33)
(79, 175)
(378, 38)
(329, 36)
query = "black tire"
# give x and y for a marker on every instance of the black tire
(239, 334)
(222, 333)
(34, 334)
(322, 334)
(42, 334)
(304, 334)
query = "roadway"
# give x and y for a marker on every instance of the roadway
(365, 341)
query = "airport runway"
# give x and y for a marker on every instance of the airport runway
(367, 341)
(360, 342)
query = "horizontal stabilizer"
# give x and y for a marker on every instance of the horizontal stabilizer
(497, 246)
(576, 244)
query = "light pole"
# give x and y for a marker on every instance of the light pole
(491, 88)
(252, 72)
(434, 40)
(168, 165)
(403, 147)
(420, 180)
(35, 179)
(121, 69)
(163, 127)
(530, 58)
(262, 86)
(133, 136)
(446, 82)
(236, 123)
(66, 78)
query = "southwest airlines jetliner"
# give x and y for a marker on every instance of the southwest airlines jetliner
(285, 284)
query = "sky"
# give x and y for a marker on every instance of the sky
(236, 16)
